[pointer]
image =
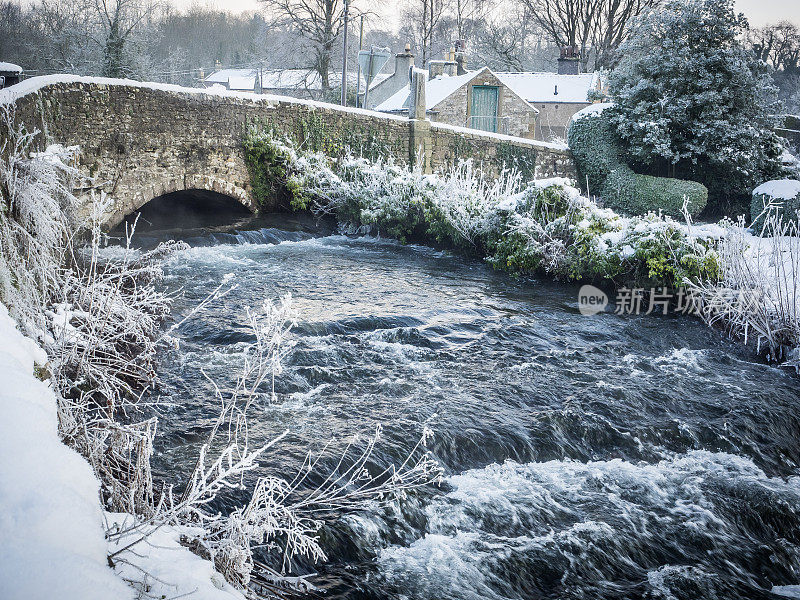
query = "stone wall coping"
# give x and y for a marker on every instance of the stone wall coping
(518, 141)
(36, 84)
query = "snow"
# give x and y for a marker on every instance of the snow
(172, 570)
(531, 87)
(242, 83)
(35, 84)
(542, 87)
(10, 67)
(436, 90)
(279, 79)
(51, 523)
(593, 110)
(498, 136)
(779, 189)
(787, 591)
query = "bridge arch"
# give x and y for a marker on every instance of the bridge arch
(166, 186)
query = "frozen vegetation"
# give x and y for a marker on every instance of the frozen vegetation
(736, 279)
(83, 516)
(80, 331)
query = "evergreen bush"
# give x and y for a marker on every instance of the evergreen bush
(597, 150)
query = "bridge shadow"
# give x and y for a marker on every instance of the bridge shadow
(186, 210)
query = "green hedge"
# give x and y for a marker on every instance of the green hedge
(598, 153)
(786, 209)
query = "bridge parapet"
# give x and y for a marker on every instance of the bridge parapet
(141, 140)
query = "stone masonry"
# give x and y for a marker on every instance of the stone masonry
(139, 141)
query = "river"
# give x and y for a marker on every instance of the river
(602, 456)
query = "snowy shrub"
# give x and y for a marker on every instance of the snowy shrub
(758, 296)
(692, 100)
(551, 228)
(780, 197)
(598, 152)
(545, 227)
(35, 220)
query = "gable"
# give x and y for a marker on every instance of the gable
(438, 90)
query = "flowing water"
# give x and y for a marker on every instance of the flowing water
(585, 457)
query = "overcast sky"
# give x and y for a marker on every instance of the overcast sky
(759, 12)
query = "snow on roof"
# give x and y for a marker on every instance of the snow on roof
(779, 189)
(242, 83)
(531, 87)
(277, 79)
(379, 78)
(223, 75)
(551, 87)
(436, 90)
(10, 67)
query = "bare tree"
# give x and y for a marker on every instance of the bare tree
(611, 27)
(119, 19)
(509, 40)
(425, 19)
(777, 45)
(595, 27)
(319, 22)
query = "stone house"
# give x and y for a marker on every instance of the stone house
(531, 105)
(9, 74)
(477, 99)
(556, 96)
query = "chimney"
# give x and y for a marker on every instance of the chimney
(569, 63)
(435, 68)
(461, 57)
(450, 62)
(403, 63)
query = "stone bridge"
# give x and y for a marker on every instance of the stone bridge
(139, 141)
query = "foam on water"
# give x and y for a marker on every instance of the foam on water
(590, 523)
(591, 458)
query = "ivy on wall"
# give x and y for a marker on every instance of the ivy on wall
(519, 158)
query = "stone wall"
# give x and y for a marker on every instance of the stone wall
(141, 141)
(554, 118)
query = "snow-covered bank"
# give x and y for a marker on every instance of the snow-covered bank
(51, 522)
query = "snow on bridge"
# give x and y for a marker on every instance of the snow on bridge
(141, 140)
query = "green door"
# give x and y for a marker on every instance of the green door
(484, 107)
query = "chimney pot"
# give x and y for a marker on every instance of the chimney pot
(569, 61)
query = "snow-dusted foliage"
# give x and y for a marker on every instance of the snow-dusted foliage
(98, 316)
(692, 101)
(542, 226)
(758, 297)
(778, 197)
(36, 193)
(547, 226)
